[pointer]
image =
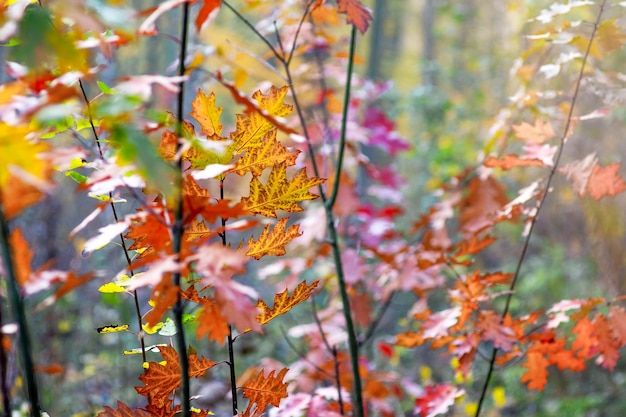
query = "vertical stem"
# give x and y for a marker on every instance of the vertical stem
(178, 226)
(334, 240)
(20, 316)
(4, 388)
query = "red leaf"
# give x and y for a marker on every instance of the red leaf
(357, 13)
(437, 400)
(123, 411)
(208, 7)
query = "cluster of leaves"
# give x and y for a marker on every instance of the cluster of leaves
(195, 188)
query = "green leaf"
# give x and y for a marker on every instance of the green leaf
(105, 88)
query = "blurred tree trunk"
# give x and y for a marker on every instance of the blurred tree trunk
(376, 41)
(429, 71)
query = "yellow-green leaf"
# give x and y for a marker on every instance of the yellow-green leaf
(279, 193)
(273, 243)
(207, 114)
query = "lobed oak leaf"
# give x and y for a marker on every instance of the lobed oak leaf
(439, 324)
(617, 319)
(609, 353)
(579, 172)
(123, 411)
(280, 193)
(273, 243)
(540, 132)
(263, 391)
(536, 375)
(212, 323)
(204, 110)
(357, 14)
(474, 245)
(605, 181)
(493, 329)
(609, 36)
(160, 380)
(485, 197)
(283, 302)
(585, 343)
(269, 153)
(409, 339)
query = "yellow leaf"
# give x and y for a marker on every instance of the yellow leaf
(112, 328)
(499, 396)
(609, 36)
(270, 153)
(207, 114)
(283, 302)
(17, 150)
(280, 193)
(273, 243)
(111, 287)
(251, 128)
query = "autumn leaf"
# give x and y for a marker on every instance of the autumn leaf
(280, 193)
(212, 323)
(493, 329)
(273, 243)
(263, 391)
(19, 151)
(357, 14)
(484, 198)
(22, 256)
(536, 375)
(204, 14)
(269, 153)
(437, 400)
(605, 181)
(609, 36)
(161, 379)
(511, 161)
(19, 195)
(206, 113)
(540, 132)
(283, 302)
(123, 411)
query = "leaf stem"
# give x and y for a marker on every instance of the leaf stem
(178, 226)
(541, 202)
(20, 316)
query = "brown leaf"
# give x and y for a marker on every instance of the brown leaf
(283, 302)
(123, 411)
(273, 243)
(263, 391)
(357, 14)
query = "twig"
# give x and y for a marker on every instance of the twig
(4, 388)
(540, 205)
(338, 381)
(374, 325)
(302, 355)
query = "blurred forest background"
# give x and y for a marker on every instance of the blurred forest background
(452, 69)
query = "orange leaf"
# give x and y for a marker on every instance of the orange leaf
(357, 14)
(485, 197)
(606, 345)
(283, 302)
(160, 380)
(539, 133)
(264, 391)
(19, 195)
(280, 193)
(211, 322)
(273, 243)
(205, 111)
(123, 411)
(20, 153)
(605, 181)
(536, 374)
(208, 7)
(510, 161)
(22, 256)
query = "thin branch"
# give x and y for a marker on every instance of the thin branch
(338, 381)
(374, 325)
(252, 28)
(17, 303)
(178, 226)
(4, 388)
(542, 200)
(297, 34)
(319, 325)
(302, 356)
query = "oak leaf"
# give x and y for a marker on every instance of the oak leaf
(283, 302)
(357, 14)
(280, 193)
(539, 133)
(511, 161)
(269, 153)
(436, 400)
(605, 181)
(273, 243)
(161, 379)
(212, 323)
(263, 391)
(536, 374)
(206, 113)
(123, 411)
